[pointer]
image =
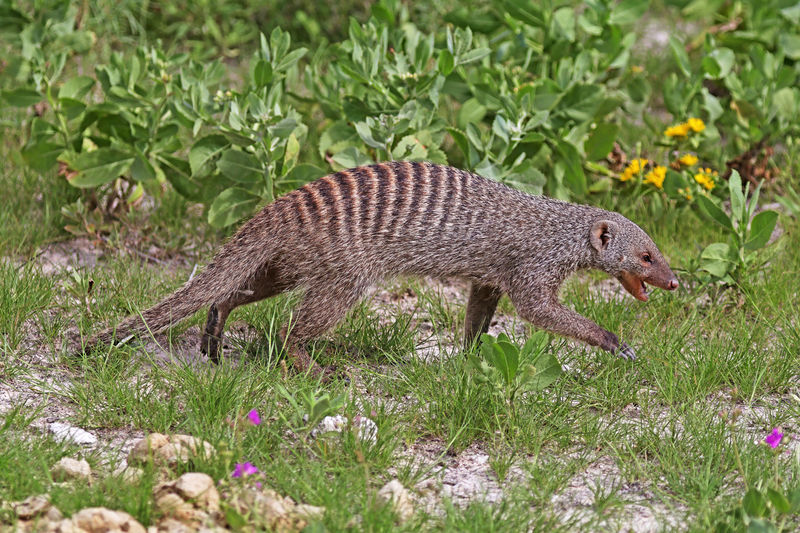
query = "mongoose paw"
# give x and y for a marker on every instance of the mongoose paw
(626, 352)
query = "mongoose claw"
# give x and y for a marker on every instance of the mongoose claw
(626, 352)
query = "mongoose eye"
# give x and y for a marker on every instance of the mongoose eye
(646, 258)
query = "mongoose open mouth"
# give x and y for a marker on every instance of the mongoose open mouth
(634, 285)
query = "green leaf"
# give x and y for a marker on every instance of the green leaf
(142, 170)
(716, 260)
(778, 501)
(737, 197)
(98, 167)
(714, 212)
(241, 166)
(290, 59)
(471, 112)
(754, 503)
(506, 360)
(42, 156)
(302, 174)
(789, 42)
(564, 23)
(474, 55)
(785, 103)
(262, 74)
(336, 138)
(574, 177)
(600, 141)
(76, 88)
(233, 517)
(230, 206)
(794, 499)
(725, 58)
(679, 53)
(179, 175)
(761, 525)
(628, 12)
(544, 371)
(204, 150)
(351, 158)
(525, 11)
(761, 229)
(22, 97)
(446, 62)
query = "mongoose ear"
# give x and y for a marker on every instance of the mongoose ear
(602, 233)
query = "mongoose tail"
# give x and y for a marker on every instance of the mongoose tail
(233, 266)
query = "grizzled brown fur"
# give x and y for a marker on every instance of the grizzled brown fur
(337, 236)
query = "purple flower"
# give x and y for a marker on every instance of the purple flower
(774, 438)
(259, 485)
(244, 469)
(254, 418)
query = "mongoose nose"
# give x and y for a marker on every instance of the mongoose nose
(673, 284)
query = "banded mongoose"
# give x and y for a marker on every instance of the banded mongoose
(340, 234)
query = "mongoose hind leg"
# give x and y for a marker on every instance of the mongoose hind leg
(266, 283)
(324, 304)
(481, 306)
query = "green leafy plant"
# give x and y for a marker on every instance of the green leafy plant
(308, 408)
(726, 261)
(509, 370)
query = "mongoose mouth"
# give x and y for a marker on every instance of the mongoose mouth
(634, 285)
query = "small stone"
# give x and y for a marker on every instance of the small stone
(68, 468)
(199, 488)
(191, 499)
(397, 495)
(144, 448)
(188, 445)
(102, 520)
(308, 512)
(72, 434)
(169, 450)
(365, 428)
(170, 525)
(32, 507)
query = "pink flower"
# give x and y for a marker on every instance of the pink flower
(244, 469)
(254, 418)
(774, 438)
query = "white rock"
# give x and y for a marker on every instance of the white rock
(69, 468)
(398, 496)
(365, 428)
(71, 433)
(101, 520)
(32, 507)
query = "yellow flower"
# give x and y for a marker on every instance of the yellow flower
(705, 178)
(686, 192)
(696, 124)
(636, 69)
(688, 160)
(679, 130)
(634, 168)
(656, 176)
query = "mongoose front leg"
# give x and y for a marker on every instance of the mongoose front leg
(548, 313)
(481, 306)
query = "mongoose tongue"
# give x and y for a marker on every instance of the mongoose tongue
(634, 285)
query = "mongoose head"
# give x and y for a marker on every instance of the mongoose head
(626, 252)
